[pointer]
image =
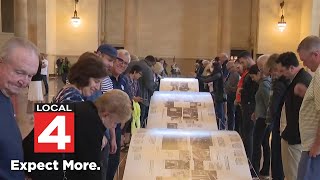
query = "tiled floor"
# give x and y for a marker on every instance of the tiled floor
(24, 115)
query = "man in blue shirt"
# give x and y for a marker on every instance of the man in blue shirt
(19, 61)
(119, 82)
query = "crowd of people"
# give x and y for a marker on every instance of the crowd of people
(111, 92)
(272, 96)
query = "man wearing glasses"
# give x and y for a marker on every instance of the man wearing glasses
(118, 82)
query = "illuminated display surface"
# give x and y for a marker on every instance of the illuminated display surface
(179, 84)
(170, 154)
(182, 110)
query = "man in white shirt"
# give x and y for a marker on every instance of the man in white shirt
(44, 71)
(309, 118)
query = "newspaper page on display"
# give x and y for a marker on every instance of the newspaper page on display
(179, 84)
(182, 110)
(171, 154)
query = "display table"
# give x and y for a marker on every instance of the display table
(182, 110)
(179, 84)
(171, 154)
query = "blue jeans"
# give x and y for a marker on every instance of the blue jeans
(220, 115)
(104, 160)
(247, 129)
(45, 81)
(114, 159)
(309, 167)
(276, 158)
(144, 115)
(231, 110)
(238, 120)
(261, 136)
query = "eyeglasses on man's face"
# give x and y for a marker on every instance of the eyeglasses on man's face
(123, 62)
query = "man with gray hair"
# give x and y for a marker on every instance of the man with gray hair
(19, 61)
(224, 59)
(261, 61)
(118, 82)
(230, 87)
(309, 116)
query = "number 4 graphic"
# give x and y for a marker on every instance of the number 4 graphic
(61, 138)
(54, 132)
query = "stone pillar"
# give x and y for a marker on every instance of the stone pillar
(21, 18)
(0, 18)
(102, 21)
(225, 7)
(41, 25)
(131, 27)
(32, 21)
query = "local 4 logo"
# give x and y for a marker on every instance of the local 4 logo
(53, 128)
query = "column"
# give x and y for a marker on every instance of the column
(41, 25)
(21, 18)
(131, 26)
(102, 21)
(254, 27)
(32, 21)
(225, 26)
(0, 17)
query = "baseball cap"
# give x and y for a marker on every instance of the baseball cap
(108, 50)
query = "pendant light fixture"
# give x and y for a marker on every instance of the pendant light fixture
(282, 24)
(75, 20)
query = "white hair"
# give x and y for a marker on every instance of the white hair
(262, 60)
(157, 68)
(207, 69)
(124, 53)
(17, 42)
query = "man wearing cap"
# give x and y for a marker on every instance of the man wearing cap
(108, 54)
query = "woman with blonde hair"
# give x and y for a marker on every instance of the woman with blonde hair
(91, 121)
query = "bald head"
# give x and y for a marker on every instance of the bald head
(223, 57)
(262, 60)
(309, 52)
(230, 66)
(19, 61)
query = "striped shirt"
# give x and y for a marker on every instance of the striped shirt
(106, 84)
(309, 117)
(68, 95)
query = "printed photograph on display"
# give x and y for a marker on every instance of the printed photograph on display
(204, 175)
(179, 84)
(187, 154)
(174, 143)
(189, 111)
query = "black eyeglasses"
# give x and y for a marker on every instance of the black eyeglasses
(123, 62)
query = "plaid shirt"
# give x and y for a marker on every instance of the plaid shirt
(134, 89)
